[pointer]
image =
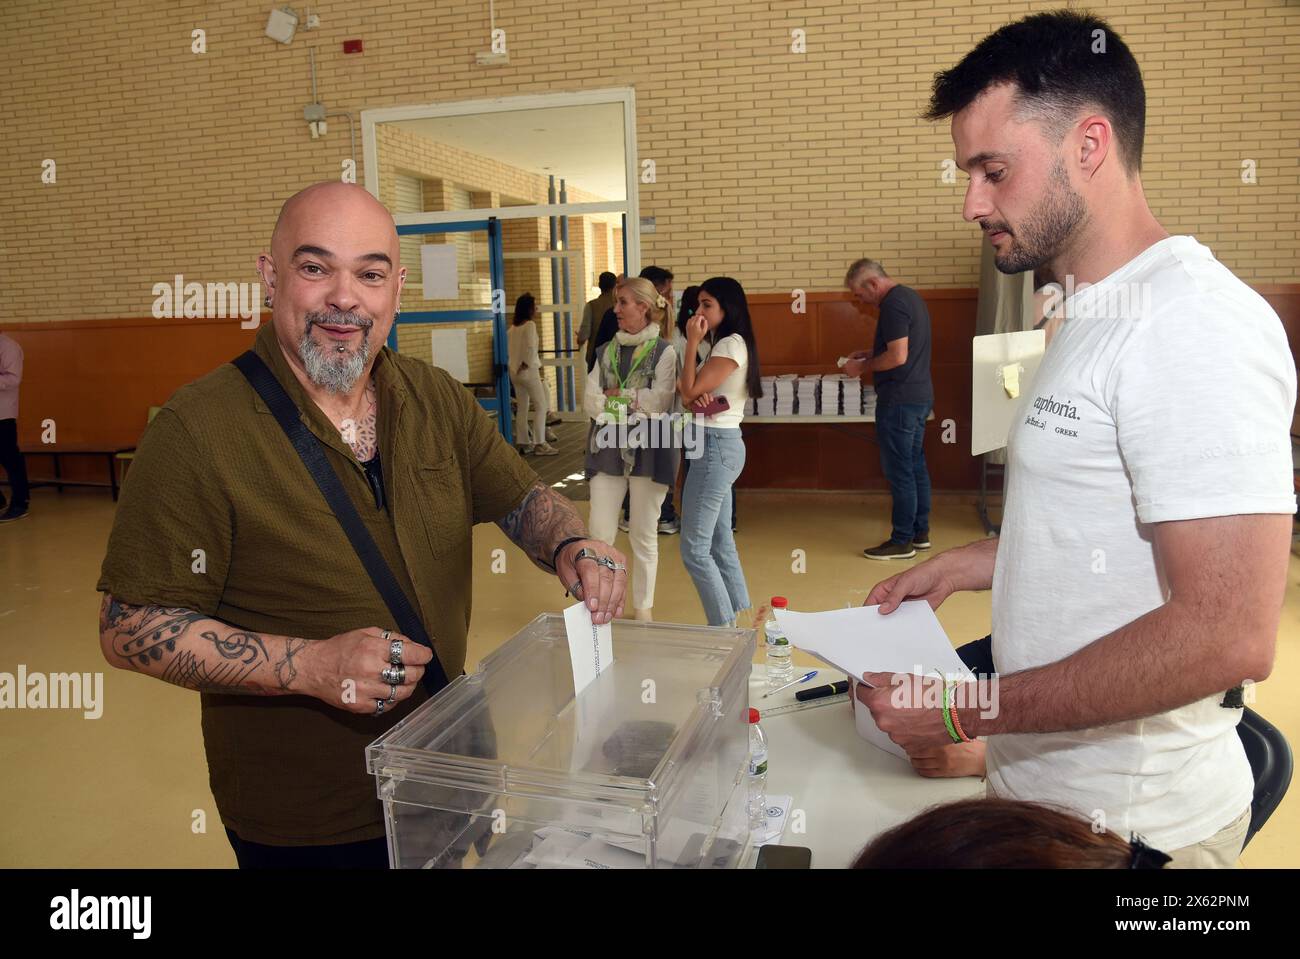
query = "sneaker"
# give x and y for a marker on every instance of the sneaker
(922, 539)
(669, 526)
(545, 449)
(13, 513)
(527, 449)
(890, 550)
(622, 524)
(550, 436)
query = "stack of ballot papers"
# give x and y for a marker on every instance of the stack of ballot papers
(806, 395)
(785, 386)
(860, 640)
(851, 392)
(831, 394)
(868, 401)
(766, 405)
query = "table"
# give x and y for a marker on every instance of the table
(849, 790)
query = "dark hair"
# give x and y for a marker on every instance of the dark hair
(1061, 62)
(690, 303)
(1002, 834)
(524, 307)
(735, 319)
(656, 275)
(606, 281)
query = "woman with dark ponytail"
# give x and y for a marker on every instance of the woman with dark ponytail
(716, 393)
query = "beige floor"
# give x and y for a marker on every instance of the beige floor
(124, 790)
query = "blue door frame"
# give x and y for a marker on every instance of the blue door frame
(500, 403)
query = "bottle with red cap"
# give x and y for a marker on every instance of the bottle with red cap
(756, 803)
(780, 666)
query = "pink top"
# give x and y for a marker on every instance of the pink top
(11, 374)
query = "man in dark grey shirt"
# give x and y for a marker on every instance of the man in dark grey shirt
(900, 360)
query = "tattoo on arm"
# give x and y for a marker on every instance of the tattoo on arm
(166, 637)
(540, 523)
(285, 670)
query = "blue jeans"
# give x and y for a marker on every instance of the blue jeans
(708, 548)
(901, 430)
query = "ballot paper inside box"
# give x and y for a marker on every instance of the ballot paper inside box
(506, 768)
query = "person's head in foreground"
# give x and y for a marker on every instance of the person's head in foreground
(1003, 834)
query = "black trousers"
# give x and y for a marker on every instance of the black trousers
(369, 854)
(14, 466)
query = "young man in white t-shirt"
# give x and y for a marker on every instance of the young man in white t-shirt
(1142, 562)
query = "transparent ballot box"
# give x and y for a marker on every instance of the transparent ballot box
(505, 768)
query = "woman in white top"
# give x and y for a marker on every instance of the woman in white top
(526, 375)
(730, 373)
(630, 449)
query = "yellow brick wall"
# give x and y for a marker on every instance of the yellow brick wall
(775, 167)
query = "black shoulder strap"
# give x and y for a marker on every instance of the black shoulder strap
(313, 457)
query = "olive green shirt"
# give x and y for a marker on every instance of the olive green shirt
(215, 472)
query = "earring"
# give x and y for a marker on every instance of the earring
(267, 300)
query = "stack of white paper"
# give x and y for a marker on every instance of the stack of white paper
(806, 395)
(831, 394)
(766, 405)
(852, 393)
(785, 386)
(868, 401)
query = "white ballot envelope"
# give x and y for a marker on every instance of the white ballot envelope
(1003, 368)
(860, 640)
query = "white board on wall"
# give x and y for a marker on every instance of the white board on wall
(450, 352)
(1002, 364)
(438, 270)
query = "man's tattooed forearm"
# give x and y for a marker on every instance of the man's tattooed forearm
(541, 522)
(146, 636)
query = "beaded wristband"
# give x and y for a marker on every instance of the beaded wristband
(948, 712)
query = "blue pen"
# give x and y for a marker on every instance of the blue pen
(802, 679)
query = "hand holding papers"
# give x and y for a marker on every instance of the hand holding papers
(861, 640)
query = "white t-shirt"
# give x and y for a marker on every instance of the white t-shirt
(1166, 394)
(734, 387)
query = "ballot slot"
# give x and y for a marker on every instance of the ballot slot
(506, 768)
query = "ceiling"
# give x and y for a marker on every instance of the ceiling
(581, 144)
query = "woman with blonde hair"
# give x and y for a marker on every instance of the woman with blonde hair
(630, 444)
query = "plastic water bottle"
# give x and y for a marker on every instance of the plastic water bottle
(780, 667)
(756, 804)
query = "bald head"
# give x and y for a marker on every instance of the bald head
(333, 200)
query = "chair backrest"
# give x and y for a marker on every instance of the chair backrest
(1270, 761)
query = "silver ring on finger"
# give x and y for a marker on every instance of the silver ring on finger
(394, 651)
(392, 693)
(394, 675)
(385, 634)
(379, 706)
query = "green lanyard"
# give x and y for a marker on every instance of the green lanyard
(641, 354)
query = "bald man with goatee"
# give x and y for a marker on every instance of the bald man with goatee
(229, 573)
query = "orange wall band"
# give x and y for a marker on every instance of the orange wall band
(97, 379)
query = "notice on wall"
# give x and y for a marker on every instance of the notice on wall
(438, 270)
